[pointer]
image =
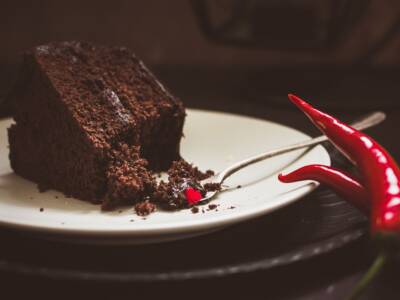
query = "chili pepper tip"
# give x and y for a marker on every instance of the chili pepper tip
(295, 99)
(319, 118)
(283, 178)
(306, 107)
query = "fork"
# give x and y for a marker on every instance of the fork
(368, 121)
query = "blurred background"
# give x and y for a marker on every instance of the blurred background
(238, 33)
(341, 52)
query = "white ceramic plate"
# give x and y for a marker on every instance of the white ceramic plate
(212, 140)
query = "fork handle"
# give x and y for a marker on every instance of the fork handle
(370, 120)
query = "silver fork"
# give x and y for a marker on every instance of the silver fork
(368, 121)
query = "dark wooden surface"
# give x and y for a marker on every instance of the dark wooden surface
(345, 93)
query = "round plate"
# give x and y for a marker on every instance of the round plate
(212, 141)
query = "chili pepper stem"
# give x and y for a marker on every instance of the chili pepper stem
(371, 274)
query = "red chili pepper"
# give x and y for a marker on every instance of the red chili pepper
(342, 183)
(380, 173)
(380, 176)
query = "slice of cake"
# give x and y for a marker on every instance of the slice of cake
(92, 121)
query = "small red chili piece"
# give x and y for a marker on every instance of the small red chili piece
(192, 195)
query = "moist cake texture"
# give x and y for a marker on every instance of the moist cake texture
(93, 122)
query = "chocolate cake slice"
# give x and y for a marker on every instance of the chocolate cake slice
(92, 121)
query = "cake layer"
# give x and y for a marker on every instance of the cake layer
(90, 121)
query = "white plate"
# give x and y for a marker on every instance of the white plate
(212, 140)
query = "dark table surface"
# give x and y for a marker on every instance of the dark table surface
(346, 94)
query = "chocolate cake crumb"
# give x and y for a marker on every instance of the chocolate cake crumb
(212, 187)
(41, 209)
(181, 169)
(239, 186)
(170, 195)
(144, 208)
(231, 207)
(195, 209)
(212, 206)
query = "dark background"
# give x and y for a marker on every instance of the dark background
(167, 32)
(336, 45)
(342, 55)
